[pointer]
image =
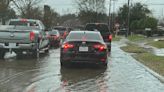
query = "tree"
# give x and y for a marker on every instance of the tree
(5, 11)
(50, 17)
(151, 23)
(122, 14)
(139, 17)
(27, 8)
(91, 10)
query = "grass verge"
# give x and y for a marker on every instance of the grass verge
(154, 62)
(116, 38)
(136, 38)
(157, 44)
(131, 48)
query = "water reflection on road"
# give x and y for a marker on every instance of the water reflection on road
(45, 75)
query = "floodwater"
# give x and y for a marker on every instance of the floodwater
(123, 74)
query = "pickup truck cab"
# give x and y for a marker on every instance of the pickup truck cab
(23, 35)
(103, 29)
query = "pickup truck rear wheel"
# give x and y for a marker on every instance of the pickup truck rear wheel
(19, 54)
(35, 52)
(2, 54)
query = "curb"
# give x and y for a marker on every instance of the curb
(155, 74)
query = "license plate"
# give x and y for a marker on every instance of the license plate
(11, 45)
(83, 49)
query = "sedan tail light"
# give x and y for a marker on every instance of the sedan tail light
(67, 46)
(110, 37)
(100, 47)
(32, 36)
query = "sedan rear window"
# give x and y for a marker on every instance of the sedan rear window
(53, 32)
(87, 36)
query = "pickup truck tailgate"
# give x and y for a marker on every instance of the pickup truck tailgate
(14, 36)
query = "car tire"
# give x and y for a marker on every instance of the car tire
(35, 52)
(2, 54)
(47, 50)
(19, 54)
(63, 63)
(109, 49)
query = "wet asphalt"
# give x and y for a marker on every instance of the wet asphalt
(123, 74)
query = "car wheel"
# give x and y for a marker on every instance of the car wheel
(35, 52)
(19, 54)
(109, 49)
(2, 54)
(47, 49)
(63, 63)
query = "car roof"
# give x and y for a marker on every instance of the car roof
(85, 31)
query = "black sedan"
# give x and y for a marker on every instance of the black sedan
(84, 47)
(54, 37)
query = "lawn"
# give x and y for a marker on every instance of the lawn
(131, 48)
(116, 38)
(157, 44)
(154, 62)
(136, 37)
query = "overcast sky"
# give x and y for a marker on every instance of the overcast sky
(67, 6)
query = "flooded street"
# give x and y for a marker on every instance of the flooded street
(123, 74)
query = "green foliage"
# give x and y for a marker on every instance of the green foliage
(151, 23)
(139, 18)
(147, 22)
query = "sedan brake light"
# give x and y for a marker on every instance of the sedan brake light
(67, 46)
(100, 47)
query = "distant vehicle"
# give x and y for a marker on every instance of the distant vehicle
(54, 37)
(23, 38)
(84, 47)
(103, 29)
(63, 31)
(122, 31)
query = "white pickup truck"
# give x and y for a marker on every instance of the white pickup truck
(23, 35)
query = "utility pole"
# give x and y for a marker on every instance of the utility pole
(128, 19)
(109, 20)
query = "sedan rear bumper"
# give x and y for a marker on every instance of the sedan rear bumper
(97, 58)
